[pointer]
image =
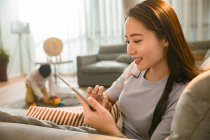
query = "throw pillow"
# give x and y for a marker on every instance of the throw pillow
(72, 116)
(62, 116)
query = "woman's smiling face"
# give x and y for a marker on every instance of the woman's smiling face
(143, 45)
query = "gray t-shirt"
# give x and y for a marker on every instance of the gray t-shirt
(138, 98)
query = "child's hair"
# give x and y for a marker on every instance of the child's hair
(45, 70)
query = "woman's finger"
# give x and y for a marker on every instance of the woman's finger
(106, 102)
(89, 91)
(100, 90)
(95, 90)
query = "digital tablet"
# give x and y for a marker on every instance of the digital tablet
(73, 89)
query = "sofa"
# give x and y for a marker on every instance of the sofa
(102, 68)
(191, 119)
(14, 125)
(106, 66)
(199, 49)
(15, 131)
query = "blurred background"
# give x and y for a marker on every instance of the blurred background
(82, 25)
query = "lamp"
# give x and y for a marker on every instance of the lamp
(18, 27)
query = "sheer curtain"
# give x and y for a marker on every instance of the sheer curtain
(82, 25)
(194, 16)
(104, 22)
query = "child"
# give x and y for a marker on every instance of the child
(35, 85)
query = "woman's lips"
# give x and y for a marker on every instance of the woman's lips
(138, 60)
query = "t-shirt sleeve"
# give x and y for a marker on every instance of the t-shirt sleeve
(114, 91)
(163, 129)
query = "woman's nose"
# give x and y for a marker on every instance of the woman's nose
(130, 49)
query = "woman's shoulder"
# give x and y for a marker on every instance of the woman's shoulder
(131, 70)
(177, 90)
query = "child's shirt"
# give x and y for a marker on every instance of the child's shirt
(37, 83)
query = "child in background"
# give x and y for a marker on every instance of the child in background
(35, 85)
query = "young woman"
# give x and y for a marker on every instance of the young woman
(148, 90)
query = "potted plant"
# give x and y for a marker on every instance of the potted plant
(4, 60)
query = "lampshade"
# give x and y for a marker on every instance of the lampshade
(18, 27)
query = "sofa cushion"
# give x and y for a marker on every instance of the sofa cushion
(199, 48)
(104, 67)
(109, 56)
(124, 58)
(207, 55)
(191, 119)
(206, 64)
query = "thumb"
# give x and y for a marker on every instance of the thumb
(82, 102)
(95, 104)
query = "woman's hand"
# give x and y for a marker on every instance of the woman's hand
(99, 95)
(99, 119)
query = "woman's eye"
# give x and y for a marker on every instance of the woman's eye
(126, 42)
(137, 41)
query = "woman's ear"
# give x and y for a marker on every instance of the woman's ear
(164, 43)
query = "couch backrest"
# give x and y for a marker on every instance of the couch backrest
(110, 52)
(191, 119)
(118, 48)
(199, 48)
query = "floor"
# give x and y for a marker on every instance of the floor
(14, 89)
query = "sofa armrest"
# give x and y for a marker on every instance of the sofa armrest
(18, 131)
(85, 60)
(191, 119)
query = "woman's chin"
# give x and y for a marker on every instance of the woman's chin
(141, 68)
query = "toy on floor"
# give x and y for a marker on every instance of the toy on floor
(33, 104)
(55, 101)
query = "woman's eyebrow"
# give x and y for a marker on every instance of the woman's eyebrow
(135, 34)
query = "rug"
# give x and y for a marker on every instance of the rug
(67, 96)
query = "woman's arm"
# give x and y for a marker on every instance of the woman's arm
(99, 119)
(111, 95)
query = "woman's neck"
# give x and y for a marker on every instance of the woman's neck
(156, 74)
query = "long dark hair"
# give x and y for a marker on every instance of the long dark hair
(159, 17)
